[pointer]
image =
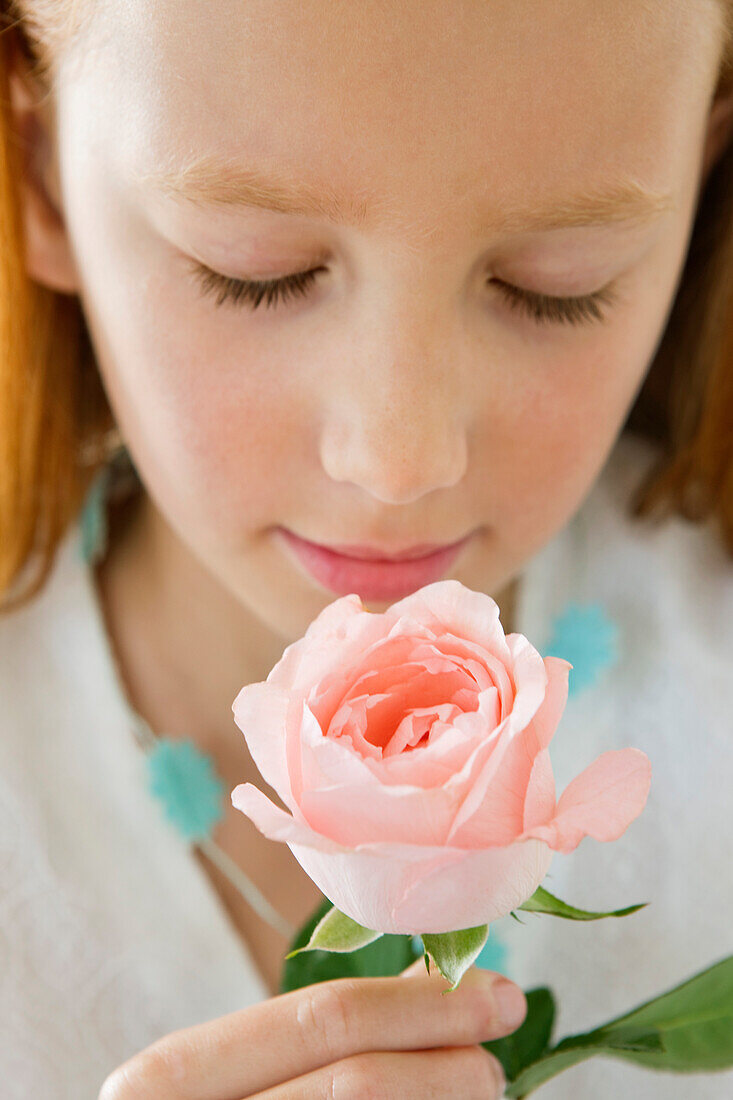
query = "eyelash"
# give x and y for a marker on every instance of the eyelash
(541, 308)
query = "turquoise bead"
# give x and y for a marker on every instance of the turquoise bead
(185, 782)
(585, 636)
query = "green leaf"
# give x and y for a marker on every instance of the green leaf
(585, 1046)
(337, 932)
(688, 1029)
(623, 1038)
(542, 901)
(530, 1041)
(695, 1020)
(390, 954)
(453, 952)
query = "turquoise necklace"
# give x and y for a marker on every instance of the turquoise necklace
(180, 777)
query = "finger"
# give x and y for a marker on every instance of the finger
(470, 1073)
(418, 967)
(297, 1032)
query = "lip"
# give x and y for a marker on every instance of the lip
(374, 577)
(373, 553)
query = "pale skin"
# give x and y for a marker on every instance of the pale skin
(402, 399)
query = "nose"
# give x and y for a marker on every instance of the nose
(394, 426)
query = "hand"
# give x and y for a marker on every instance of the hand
(344, 1039)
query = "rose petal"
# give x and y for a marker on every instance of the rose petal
(378, 658)
(539, 803)
(264, 714)
(423, 889)
(600, 802)
(409, 889)
(275, 823)
(332, 620)
(350, 722)
(491, 812)
(356, 814)
(486, 885)
(443, 757)
(406, 627)
(495, 667)
(329, 761)
(450, 605)
(392, 702)
(494, 810)
(547, 718)
(351, 811)
(341, 638)
(420, 726)
(530, 679)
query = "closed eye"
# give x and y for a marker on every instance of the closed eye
(541, 308)
(545, 308)
(251, 292)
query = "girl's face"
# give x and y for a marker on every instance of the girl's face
(422, 159)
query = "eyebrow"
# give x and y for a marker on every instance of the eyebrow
(211, 182)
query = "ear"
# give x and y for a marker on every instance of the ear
(49, 257)
(720, 126)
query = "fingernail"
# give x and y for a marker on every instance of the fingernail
(510, 1003)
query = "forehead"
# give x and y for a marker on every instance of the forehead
(426, 98)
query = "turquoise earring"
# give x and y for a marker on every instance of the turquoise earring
(93, 517)
(93, 525)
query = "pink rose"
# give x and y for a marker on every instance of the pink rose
(411, 749)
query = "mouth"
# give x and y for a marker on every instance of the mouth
(369, 571)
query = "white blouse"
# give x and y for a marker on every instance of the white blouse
(111, 934)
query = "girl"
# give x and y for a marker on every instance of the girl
(357, 275)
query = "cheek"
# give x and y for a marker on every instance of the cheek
(567, 406)
(559, 424)
(201, 400)
(228, 439)
(216, 434)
